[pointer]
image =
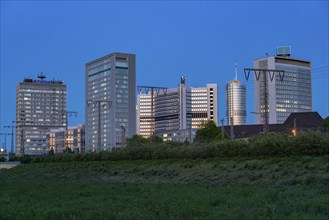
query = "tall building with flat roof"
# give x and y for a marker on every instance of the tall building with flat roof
(236, 108)
(176, 109)
(40, 107)
(110, 101)
(292, 94)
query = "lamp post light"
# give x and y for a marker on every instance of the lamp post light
(5, 143)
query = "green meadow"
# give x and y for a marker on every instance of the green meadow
(290, 187)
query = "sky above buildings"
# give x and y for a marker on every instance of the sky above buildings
(200, 40)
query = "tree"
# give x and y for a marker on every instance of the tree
(51, 152)
(136, 140)
(155, 139)
(209, 132)
(68, 150)
(325, 123)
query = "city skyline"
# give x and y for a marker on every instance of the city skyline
(200, 40)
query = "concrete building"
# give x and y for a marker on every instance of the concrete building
(40, 107)
(110, 101)
(236, 107)
(59, 140)
(204, 104)
(178, 135)
(145, 114)
(293, 94)
(174, 110)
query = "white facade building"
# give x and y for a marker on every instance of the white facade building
(176, 109)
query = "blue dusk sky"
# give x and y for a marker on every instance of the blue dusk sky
(200, 40)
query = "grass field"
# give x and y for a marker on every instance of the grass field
(235, 188)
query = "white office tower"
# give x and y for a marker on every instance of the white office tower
(292, 94)
(176, 109)
(236, 110)
(110, 101)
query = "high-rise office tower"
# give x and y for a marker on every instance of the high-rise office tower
(40, 107)
(236, 111)
(292, 94)
(110, 101)
(176, 109)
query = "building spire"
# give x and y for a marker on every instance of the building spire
(236, 70)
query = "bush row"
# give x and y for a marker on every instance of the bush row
(271, 144)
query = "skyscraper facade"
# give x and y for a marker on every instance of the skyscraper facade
(236, 110)
(40, 107)
(204, 102)
(145, 114)
(176, 109)
(292, 94)
(110, 101)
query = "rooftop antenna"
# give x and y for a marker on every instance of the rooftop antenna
(41, 76)
(236, 70)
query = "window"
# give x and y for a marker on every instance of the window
(121, 64)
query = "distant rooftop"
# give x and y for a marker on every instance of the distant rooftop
(304, 121)
(283, 51)
(41, 79)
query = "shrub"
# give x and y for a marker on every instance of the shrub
(311, 142)
(270, 144)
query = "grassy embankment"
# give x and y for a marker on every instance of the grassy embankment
(295, 187)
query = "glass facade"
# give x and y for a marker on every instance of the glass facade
(292, 94)
(110, 101)
(167, 111)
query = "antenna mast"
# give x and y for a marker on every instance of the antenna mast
(236, 70)
(41, 76)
